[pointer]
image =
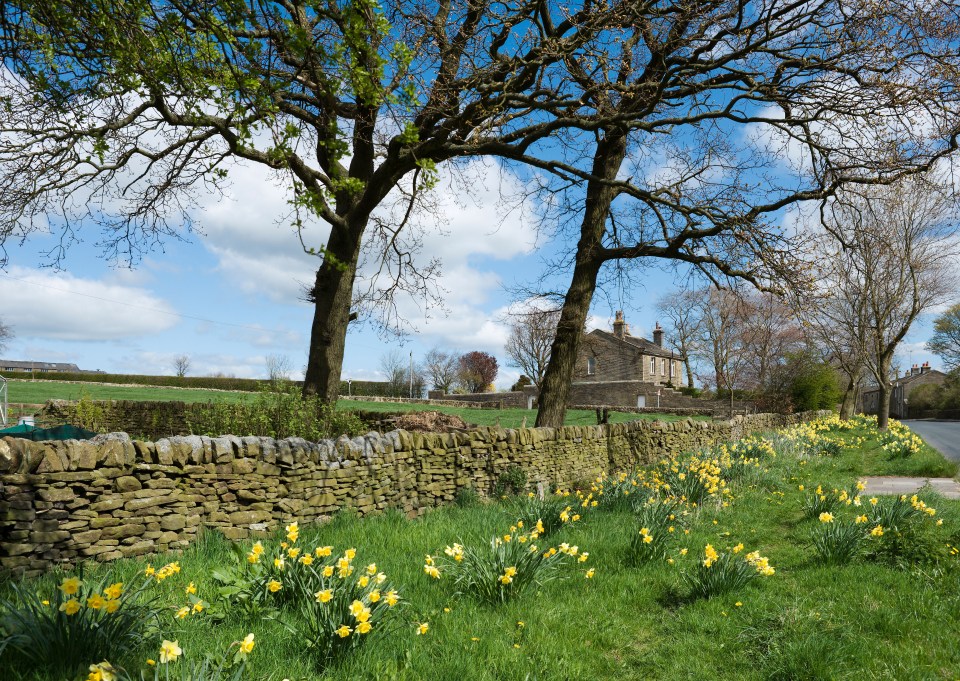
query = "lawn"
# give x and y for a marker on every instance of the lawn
(890, 612)
(38, 392)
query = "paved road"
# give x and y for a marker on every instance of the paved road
(943, 436)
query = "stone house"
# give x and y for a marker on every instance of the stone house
(616, 368)
(900, 395)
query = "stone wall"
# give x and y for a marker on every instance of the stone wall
(113, 497)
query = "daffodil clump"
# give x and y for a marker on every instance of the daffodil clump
(80, 620)
(892, 528)
(337, 604)
(745, 458)
(658, 524)
(693, 481)
(504, 568)
(171, 663)
(818, 501)
(719, 573)
(836, 542)
(899, 442)
(344, 605)
(548, 513)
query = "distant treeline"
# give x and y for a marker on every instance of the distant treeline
(362, 388)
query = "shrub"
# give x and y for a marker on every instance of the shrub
(466, 497)
(511, 481)
(501, 570)
(719, 573)
(80, 621)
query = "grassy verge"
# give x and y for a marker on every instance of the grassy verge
(863, 619)
(38, 392)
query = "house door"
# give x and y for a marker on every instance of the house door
(641, 401)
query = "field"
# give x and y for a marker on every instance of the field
(889, 611)
(38, 392)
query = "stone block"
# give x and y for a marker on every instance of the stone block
(248, 517)
(49, 537)
(123, 531)
(128, 483)
(88, 537)
(173, 523)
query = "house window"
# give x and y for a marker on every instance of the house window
(663, 367)
(671, 369)
(653, 365)
(591, 366)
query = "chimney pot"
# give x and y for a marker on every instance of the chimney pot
(658, 335)
(620, 328)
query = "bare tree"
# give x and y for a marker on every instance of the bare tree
(278, 368)
(352, 104)
(718, 117)
(724, 339)
(833, 317)
(395, 368)
(679, 311)
(531, 335)
(6, 335)
(440, 369)
(771, 333)
(945, 340)
(897, 255)
(181, 365)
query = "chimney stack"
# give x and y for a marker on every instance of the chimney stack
(620, 328)
(925, 368)
(658, 335)
(914, 370)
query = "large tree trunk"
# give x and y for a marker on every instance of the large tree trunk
(332, 295)
(849, 404)
(886, 389)
(555, 387)
(608, 158)
(689, 367)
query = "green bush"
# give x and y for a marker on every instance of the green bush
(511, 481)
(278, 413)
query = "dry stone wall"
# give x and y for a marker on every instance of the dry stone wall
(113, 497)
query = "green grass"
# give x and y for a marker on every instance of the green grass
(38, 392)
(861, 620)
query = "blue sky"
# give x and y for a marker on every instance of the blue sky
(231, 296)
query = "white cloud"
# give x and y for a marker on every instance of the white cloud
(58, 305)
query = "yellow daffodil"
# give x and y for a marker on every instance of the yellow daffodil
(70, 586)
(182, 613)
(96, 601)
(324, 596)
(114, 590)
(191, 588)
(112, 605)
(71, 607)
(343, 631)
(422, 628)
(364, 627)
(198, 607)
(170, 651)
(274, 586)
(589, 573)
(246, 645)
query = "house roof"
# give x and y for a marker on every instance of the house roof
(906, 380)
(38, 366)
(642, 344)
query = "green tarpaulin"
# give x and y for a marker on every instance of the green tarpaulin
(63, 432)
